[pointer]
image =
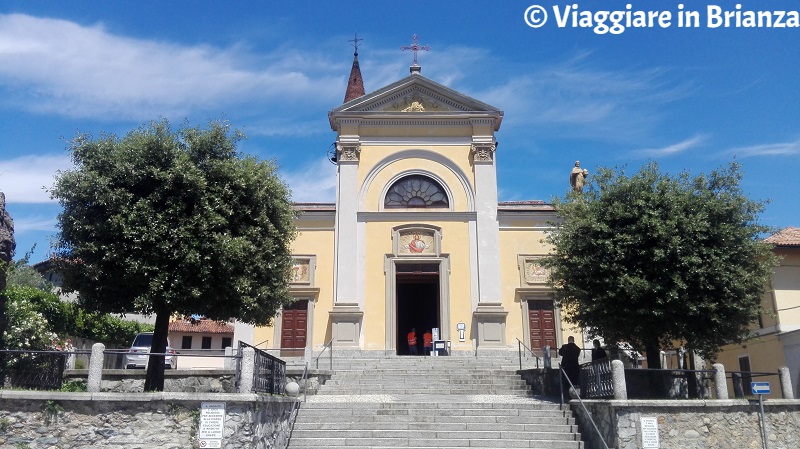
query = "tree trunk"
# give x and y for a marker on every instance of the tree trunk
(653, 349)
(655, 378)
(155, 366)
(691, 378)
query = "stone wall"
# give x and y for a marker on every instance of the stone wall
(177, 381)
(190, 381)
(691, 424)
(543, 381)
(50, 420)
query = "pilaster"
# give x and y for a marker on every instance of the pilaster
(489, 314)
(347, 312)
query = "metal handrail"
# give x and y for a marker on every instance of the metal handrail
(578, 396)
(296, 405)
(325, 347)
(521, 345)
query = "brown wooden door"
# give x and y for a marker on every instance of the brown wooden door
(542, 323)
(294, 322)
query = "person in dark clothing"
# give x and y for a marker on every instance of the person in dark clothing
(597, 351)
(569, 361)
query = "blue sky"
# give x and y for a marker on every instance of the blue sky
(688, 98)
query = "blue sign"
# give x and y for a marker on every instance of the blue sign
(760, 387)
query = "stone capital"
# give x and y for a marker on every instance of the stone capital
(348, 152)
(483, 152)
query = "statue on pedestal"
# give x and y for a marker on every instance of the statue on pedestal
(577, 178)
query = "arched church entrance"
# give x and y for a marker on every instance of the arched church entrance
(418, 302)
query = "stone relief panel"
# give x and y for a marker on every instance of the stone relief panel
(533, 271)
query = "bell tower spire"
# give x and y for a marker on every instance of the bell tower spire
(355, 84)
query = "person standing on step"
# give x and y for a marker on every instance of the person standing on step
(598, 352)
(412, 342)
(427, 341)
(569, 362)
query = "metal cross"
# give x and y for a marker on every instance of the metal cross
(355, 43)
(415, 47)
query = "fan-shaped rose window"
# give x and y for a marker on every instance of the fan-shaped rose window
(415, 191)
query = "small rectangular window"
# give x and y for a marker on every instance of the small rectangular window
(226, 342)
(206, 343)
(186, 342)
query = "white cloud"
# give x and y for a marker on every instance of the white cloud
(315, 182)
(25, 179)
(768, 149)
(34, 223)
(57, 66)
(610, 105)
(673, 149)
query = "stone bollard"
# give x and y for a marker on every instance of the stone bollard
(618, 379)
(720, 384)
(786, 383)
(248, 368)
(230, 360)
(96, 361)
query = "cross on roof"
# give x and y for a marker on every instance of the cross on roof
(415, 47)
(355, 43)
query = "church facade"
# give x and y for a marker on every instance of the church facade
(417, 237)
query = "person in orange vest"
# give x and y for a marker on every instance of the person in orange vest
(412, 342)
(427, 341)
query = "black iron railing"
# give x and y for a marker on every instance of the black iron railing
(269, 372)
(36, 370)
(596, 380)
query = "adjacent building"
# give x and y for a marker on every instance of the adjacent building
(777, 334)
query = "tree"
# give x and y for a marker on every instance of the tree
(651, 259)
(7, 247)
(163, 222)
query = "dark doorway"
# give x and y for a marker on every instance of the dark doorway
(417, 302)
(294, 328)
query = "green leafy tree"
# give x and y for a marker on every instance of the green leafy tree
(651, 259)
(170, 222)
(21, 273)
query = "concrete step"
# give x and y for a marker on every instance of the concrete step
(475, 421)
(407, 434)
(430, 402)
(438, 442)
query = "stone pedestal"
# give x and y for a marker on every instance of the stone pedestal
(491, 321)
(346, 326)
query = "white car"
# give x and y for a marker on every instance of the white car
(138, 355)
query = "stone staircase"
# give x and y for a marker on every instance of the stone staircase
(427, 402)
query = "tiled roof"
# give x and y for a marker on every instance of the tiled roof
(200, 327)
(785, 237)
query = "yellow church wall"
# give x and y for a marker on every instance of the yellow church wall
(319, 243)
(379, 243)
(314, 238)
(514, 243)
(372, 155)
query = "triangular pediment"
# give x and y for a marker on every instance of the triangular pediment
(415, 94)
